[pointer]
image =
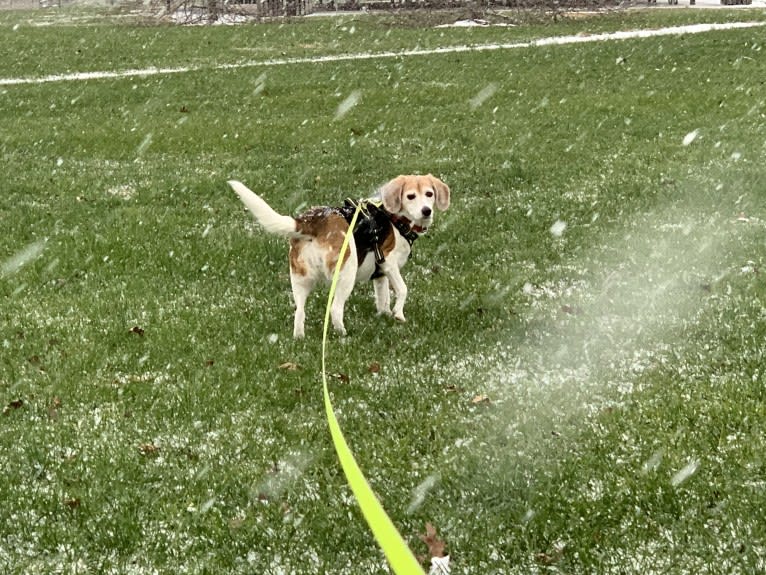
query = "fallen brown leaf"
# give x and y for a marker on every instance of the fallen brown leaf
(570, 310)
(374, 367)
(53, 408)
(137, 330)
(236, 522)
(547, 558)
(481, 398)
(16, 404)
(290, 366)
(148, 449)
(436, 546)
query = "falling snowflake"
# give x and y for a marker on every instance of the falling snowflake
(690, 137)
(345, 106)
(485, 94)
(21, 258)
(145, 143)
(685, 473)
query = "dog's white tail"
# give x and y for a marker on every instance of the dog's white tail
(270, 220)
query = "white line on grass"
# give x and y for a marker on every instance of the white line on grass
(551, 41)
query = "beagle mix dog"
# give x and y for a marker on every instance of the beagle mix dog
(380, 245)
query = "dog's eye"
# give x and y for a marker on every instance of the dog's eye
(410, 196)
(429, 194)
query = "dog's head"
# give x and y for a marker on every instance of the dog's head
(415, 197)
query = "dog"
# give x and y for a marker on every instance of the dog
(381, 244)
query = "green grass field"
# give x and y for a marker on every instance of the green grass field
(580, 386)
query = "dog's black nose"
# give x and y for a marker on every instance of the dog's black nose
(426, 211)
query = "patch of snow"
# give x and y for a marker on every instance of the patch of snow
(558, 228)
(472, 23)
(122, 191)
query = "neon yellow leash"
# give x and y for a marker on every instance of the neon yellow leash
(399, 556)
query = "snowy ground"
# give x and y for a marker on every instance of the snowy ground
(580, 377)
(554, 40)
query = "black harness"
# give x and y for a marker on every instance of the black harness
(372, 227)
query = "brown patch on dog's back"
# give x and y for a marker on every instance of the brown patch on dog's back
(327, 228)
(314, 221)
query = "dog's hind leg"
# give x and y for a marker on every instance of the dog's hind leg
(344, 286)
(301, 289)
(343, 289)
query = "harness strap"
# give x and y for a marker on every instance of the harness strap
(408, 232)
(371, 223)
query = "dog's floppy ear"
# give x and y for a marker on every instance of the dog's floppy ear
(391, 193)
(442, 193)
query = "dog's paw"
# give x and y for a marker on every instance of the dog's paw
(341, 331)
(400, 317)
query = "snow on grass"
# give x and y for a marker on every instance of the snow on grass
(552, 41)
(605, 334)
(122, 191)
(219, 465)
(558, 228)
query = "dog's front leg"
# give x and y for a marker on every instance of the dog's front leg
(382, 295)
(400, 292)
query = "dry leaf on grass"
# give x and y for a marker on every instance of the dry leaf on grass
(148, 449)
(290, 366)
(436, 546)
(16, 404)
(53, 408)
(436, 550)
